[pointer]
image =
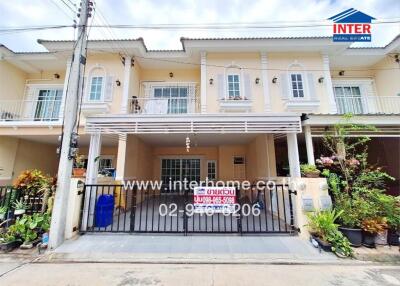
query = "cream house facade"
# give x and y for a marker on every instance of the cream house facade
(225, 109)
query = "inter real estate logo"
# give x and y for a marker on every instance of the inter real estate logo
(352, 26)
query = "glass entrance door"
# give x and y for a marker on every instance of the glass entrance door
(48, 105)
(177, 170)
(348, 99)
(177, 98)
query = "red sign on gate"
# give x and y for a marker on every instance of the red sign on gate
(215, 199)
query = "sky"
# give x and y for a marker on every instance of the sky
(142, 12)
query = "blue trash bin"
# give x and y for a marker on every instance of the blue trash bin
(104, 210)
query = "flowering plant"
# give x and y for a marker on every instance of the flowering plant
(325, 161)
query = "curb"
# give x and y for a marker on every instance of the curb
(198, 259)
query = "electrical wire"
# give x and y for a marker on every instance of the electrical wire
(180, 26)
(61, 9)
(68, 6)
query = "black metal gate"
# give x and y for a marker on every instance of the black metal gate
(263, 210)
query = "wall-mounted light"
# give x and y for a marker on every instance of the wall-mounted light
(117, 82)
(171, 74)
(257, 81)
(341, 73)
(211, 81)
(56, 75)
(321, 79)
(275, 79)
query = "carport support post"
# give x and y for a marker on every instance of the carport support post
(91, 178)
(121, 157)
(125, 91)
(309, 145)
(293, 155)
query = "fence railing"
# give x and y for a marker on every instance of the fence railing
(114, 208)
(9, 195)
(171, 105)
(368, 104)
(30, 110)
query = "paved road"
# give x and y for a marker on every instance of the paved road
(198, 274)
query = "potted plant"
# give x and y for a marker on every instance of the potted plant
(390, 206)
(351, 215)
(9, 240)
(3, 212)
(325, 231)
(309, 171)
(371, 227)
(79, 166)
(32, 183)
(19, 207)
(320, 224)
(25, 228)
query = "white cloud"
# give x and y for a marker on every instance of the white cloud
(44, 12)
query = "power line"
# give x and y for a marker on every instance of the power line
(221, 26)
(61, 9)
(68, 6)
(72, 3)
(35, 28)
(227, 26)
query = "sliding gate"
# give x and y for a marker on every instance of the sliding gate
(113, 208)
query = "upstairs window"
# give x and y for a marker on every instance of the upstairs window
(233, 87)
(297, 85)
(96, 86)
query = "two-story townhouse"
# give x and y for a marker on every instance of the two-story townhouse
(225, 109)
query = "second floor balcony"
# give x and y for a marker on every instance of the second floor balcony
(349, 99)
(181, 98)
(31, 110)
(166, 98)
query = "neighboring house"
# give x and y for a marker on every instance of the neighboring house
(238, 100)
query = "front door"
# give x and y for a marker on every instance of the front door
(348, 99)
(175, 171)
(48, 105)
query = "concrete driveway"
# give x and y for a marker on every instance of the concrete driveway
(199, 249)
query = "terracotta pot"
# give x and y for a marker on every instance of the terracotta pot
(79, 172)
(314, 174)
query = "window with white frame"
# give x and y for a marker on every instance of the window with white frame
(96, 88)
(297, 85)
(348, 99)
(233, 86)
(239, 167)
(176, 97)
(212, 170)
(105, 162)
(48, 104)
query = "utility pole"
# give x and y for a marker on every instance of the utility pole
(69, 136)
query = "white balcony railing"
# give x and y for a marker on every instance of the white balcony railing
(30, 110)
(166, 98)
(368, 105)
(170, 105)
